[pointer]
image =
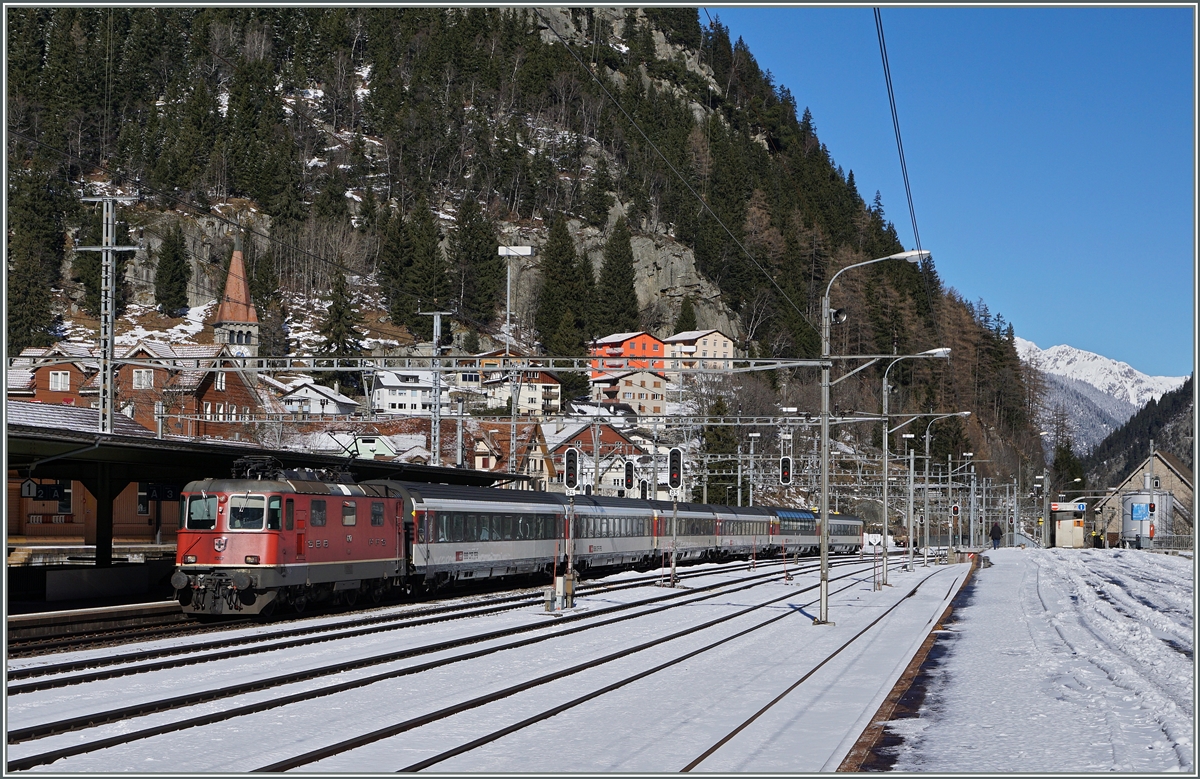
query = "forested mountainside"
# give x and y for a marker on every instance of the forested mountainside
(1167, 421)
(399, 145)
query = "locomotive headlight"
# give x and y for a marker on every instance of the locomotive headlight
(188, 559)
(252, 559)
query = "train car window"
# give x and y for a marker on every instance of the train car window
(318, 513)
(377, 513)
(497, 527)
(641, 526)
(246, 512)
(420, 523)
(274, 513)
(456, 530)
(202, 513)
(485, 527)
(442, 530)
(289, 514)
(471, 528)
(541, 527)
(349, 512)
(508, 527)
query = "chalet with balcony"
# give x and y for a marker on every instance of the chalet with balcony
(622, 352)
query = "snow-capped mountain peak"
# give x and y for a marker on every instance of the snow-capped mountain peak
(1117, 379)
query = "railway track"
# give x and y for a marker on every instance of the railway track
(562, 626)
(34, 635)
(324, 632)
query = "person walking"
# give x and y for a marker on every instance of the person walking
(996, 535)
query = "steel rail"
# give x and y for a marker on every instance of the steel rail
(85, 721)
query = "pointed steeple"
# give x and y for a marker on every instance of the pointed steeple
(236, 305)
(237, 321)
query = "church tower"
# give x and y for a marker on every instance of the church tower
(237, 321)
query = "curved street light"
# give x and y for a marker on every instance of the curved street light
(826, 317)
(926, 514)
(942, 353)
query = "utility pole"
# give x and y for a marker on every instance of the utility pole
(739, 472)
(108, 302)
(752, 437)
(458, 461)
(435, 435)
(971, 540)
(911, 533)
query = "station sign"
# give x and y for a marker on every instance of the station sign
(163, 491)
(31, 489)
(1068, 507)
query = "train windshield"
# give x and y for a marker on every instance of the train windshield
(202, 513)
(246, 512)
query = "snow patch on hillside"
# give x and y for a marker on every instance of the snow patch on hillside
(1112, 377)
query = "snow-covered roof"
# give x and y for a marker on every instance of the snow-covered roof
(607, 377)
(692, 335)
(403, 379)
(618, 338)
(20, 380)
(320, 389)
(74, 418)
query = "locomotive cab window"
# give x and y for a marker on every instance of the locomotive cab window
(349, 513)
(202, 513)
(274, 513)
(377, 514)
(246, 512)
(318, 513)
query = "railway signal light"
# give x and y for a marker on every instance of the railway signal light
(629, 474)
(675, 468)
(954, 509)
(571, 468)
(645, 490)
(785, 470)
(1151, 508)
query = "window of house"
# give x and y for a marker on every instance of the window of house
(143, 378)
(349, 513)
(64, 500)
(219, 382)
(657, 409)
(246, 413)
(318, 513)
(657, 384)
(207, 410)
(60, 381)
(656, 347)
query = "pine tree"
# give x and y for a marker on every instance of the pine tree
(29, 320)
(563, 289)
(476, 262)
(719, 439)
(425, 284)
(173, 274)
(687, 316)
(339, 329)
(618, 303)
(596, 200)
(272, 331)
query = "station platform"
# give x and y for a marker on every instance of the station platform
(60, 573)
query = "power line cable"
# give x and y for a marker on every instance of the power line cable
(912, 212)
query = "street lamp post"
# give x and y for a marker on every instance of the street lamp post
(826, 316)
(927, 427)
(752, 436)
(942, 353)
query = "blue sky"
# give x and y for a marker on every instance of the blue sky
(1050, 153)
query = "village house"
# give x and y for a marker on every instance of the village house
(493, 451)
(643, 391)
(626, 351)
(598, 443)
(699, 349)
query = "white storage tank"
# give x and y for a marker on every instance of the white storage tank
(1143, 516)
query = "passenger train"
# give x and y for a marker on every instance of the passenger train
(295, 537)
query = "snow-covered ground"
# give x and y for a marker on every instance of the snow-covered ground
(1062, 661)
(1065, 661)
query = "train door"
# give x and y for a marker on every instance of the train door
(301, 533)
(289, 527)
(349, 525)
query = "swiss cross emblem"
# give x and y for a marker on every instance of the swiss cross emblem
(219, 544)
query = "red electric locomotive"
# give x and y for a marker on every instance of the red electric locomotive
(274, 537)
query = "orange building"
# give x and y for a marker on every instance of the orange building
(626, 351)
